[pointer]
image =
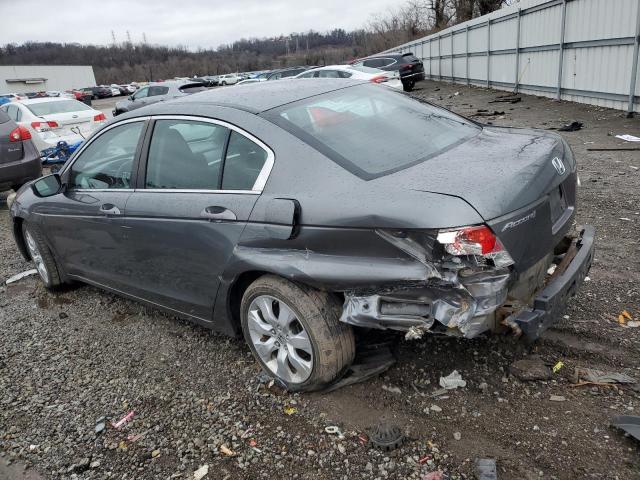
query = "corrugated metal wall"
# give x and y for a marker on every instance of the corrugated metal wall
(579, 50)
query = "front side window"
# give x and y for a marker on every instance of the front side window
(107, 161)
(243, 163)
(373, 131)
(142, 93)
(186, 155)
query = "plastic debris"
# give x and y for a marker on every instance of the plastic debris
(201, 472)
(386, 436)
(227, 451)
(333, 430)
(486, 469)
(452, 381)
(20, 276)
(155, 454)
(628, 138)
(587, 376)
(391, 389)
(633, 324)
(415, 333)
(437, 475)
(556, 368)
(289, 410)
(629, 423)
(557, 398)
(123, 420)
(572, 127)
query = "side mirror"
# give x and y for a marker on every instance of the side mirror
(47, 186)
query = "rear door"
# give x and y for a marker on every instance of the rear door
(195, 194)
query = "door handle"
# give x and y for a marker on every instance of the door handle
(109, 209)
(218, 213)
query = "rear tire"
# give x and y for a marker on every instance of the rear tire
(408, 85)
(41, 256)
(295, 333)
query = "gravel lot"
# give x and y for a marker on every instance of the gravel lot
(70, 358)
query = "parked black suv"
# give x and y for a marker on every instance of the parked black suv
(19, 158)
(98, 92)
(407, 64)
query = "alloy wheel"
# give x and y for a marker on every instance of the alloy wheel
(280, 339)
(32, 246)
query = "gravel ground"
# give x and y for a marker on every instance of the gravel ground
(68, 359)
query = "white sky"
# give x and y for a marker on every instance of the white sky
(194, 23)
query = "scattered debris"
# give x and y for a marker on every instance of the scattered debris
(435, 408)
(391, 389)
(486, 469)
(625, 219)
(437, 475)
(556, 368)
(201, 472)
(371, 359)
(334, 430)
(633, 324)
(629, 423)
(589, 376)
(155, 454)
(486, 113)
(628, 138)
(506, 99)
(415, 333)
(123, 420)
(100, 425)
(20, 276)
(557, 398)
(530, 369)
(386, 436)
(452, 381)
(572, 127)
(613, 149)
(227, 451)
(457, 435)
(289, 410)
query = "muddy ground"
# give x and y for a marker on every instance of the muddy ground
(69, 358)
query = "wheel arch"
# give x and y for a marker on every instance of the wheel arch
(19, 237)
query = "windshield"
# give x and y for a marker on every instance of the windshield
(372, 130)
(51, 108)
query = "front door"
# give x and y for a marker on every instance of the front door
(85, 223)
(196, 195)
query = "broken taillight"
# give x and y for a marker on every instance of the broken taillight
(478, 240)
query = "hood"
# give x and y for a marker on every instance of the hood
(496, 172)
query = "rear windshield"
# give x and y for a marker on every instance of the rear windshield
(51, 108)
(193, 88)
(372, 130)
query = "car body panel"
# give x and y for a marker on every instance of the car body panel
(19, 160)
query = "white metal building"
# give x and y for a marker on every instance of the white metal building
(37, 78)
(579, 50)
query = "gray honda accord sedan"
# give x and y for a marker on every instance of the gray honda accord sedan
(295, 213)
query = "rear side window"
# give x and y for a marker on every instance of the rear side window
(52, 108)
(243, 163)
(194, 88)
(329, 74)
(107, 162)
(373, 131)
(186, 155)
(157, 90)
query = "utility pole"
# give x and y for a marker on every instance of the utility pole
(113, 37)
(144, 38)
(128, 37)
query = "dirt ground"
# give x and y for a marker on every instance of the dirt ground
(69, 358)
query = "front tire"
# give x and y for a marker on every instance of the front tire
(295, 333)
(41, 256)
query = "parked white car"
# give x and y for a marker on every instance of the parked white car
(50, 120)
(375, 75)
(129, 88)
(228, 79)
(115, 90)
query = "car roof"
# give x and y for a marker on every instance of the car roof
(261, 96)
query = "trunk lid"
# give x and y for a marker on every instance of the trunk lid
(511, 178)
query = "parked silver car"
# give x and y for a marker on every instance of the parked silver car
(157, 92)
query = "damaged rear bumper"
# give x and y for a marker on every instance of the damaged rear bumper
(549, 304)
(469, 306)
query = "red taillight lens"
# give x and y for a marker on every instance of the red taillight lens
(469, 241)
(44, 126)
(406, 67)
(379, 79)
(19, 134)
(101, 117)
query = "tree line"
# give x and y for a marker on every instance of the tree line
(127, 61)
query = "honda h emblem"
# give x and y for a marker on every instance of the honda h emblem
(559, 166)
